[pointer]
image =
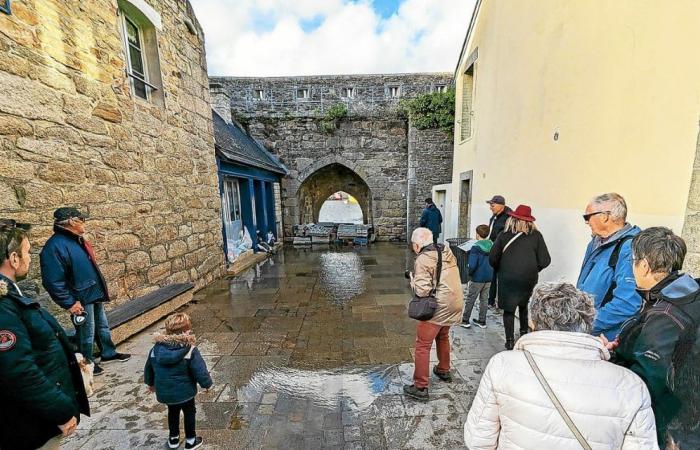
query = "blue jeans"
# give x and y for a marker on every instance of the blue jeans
(96, 321)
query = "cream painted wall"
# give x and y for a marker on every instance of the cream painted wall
(618, 80)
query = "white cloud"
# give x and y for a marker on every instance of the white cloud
(266, 38)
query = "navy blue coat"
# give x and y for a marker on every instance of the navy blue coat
(431, 219)
(40, 382)
(175, 367)
(480, 270)
(67, 272)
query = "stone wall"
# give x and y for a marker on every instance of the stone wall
(430, 155)
(72, 133)
(691, 228)
(373, 141)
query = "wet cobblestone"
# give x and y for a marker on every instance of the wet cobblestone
(307, 350)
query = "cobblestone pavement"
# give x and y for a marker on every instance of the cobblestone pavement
(307, 350)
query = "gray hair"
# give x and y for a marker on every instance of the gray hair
(614, 203)
(422, 237)
(561, 307)
(663, 250)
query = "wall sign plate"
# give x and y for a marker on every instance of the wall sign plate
(5, 6)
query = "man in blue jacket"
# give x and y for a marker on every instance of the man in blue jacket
(41, 388)
(607, 266)
(70, 275)
(431, 219)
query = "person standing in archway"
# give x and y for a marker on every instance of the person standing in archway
(431, 219)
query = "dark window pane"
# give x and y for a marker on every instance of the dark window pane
(132, 34)
(136, 61)
(140, 89)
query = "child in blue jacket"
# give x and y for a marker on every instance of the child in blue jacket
(173, 368)
(480, 276)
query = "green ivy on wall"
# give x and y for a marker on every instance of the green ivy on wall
(334, 115)
(434, 110)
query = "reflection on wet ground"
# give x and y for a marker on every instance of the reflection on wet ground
(307, 350)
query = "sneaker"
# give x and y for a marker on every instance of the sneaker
(510, 343)
(466, 324)
(174, 441)
(479, 323)
(97, 370)
(121, 357)
(416, 393)
(198, 441)
(444, 376)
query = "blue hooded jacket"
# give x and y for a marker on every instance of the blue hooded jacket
(480, 270)
(431, 219)
(175, 367)
(597, 276)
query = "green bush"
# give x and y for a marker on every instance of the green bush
(431, 111)
(334, 115)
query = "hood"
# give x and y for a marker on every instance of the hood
(563, 344)
(675, 286)
(484, 244)
(631, 230)
(447, 255)
(170, 349)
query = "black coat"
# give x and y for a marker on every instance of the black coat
(432, 220)
(41, 385)
(497, 223)
(518, 267)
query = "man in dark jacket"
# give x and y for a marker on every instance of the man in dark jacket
(41, 388)
(431, 219)
(660, 344)
(70, 274)
(497, 223)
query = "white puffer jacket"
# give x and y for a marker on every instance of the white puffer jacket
(609, 404)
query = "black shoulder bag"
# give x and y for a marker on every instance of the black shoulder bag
(612, 263)
(423, 308)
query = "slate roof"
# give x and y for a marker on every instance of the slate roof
(234, 145)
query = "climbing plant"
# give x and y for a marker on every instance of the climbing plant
(434, 110)
(333, 116)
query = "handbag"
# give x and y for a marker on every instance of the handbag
(423, 308)
(557, 404)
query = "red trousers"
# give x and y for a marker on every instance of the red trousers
(426, 333)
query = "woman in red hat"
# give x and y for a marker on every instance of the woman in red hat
(517, 257)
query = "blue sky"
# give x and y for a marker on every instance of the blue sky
(305, 37)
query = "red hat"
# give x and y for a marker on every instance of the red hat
(522, 212)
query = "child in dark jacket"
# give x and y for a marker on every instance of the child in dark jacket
(480, 276)
(173, 369)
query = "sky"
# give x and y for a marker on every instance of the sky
(327, 37)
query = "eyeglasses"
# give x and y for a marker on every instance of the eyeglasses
(587, 217)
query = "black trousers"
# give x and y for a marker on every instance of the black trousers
(190, 412)
(509, 321)
(493, 290)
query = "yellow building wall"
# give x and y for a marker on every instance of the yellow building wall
(619, 81)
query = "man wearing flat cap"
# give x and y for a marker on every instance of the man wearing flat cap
(497, 223)
(70, 275)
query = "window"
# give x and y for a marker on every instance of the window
(302, 94)
(467, 103)
(259, 94)
(347, 92)
(5, 6)
(141, 60)
(393, 91)
(440, 88)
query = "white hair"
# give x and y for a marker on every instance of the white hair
(614, 203)
(422, 237)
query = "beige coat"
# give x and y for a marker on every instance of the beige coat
(449, 293)
(609, 404)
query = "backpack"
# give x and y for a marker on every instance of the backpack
(612, 263)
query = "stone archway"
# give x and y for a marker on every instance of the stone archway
(317, 186)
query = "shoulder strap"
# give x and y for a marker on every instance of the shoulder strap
(612, 263)
(511, 241)
(438, 270)
(560, 409)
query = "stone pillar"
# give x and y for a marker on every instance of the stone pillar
(221, 102)
(691, 227)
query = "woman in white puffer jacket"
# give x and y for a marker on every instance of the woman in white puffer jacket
(609, 405)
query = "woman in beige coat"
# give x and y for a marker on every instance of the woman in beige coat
(607, 405)
(448, 312)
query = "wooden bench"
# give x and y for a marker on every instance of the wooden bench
(135, 315)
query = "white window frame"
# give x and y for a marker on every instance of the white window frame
(440, 88)
(394, 91)
(347, 92)
(259, 94)
(305, 93)
(128, 57)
